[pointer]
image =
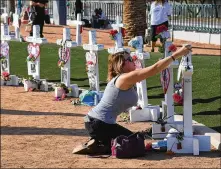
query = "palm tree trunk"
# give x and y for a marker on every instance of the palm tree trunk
(134, 18)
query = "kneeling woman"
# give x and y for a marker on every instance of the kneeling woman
(119, 95)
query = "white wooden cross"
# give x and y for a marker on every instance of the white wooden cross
(118, 38)
(65, 55)
(5, 48)
(78, 23)
(145, 112)
(16, 25)
(141, 86)
(190, 143)
(33, 49)
(93, 48)
(169, 103)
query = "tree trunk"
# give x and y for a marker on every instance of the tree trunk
(134, 18)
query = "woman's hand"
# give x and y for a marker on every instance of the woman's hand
(182, 51)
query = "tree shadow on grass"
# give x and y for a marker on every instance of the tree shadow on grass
(71, 79)
(42, 131)
(209, 100)
(32, 113)
(159, 96)
(217, 112)
(101, 84)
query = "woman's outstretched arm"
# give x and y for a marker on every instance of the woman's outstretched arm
(129, 79)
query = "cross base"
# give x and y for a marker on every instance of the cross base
(149, 113)
(190, 145)
(74, 91)
(29, 84)
(116, 50)
(12, 82)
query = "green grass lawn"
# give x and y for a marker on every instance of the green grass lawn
(206, 78)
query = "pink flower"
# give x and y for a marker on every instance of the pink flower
(90, 63)
(5, 74)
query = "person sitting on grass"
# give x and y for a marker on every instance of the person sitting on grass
(120, 94)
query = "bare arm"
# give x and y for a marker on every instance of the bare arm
(127, 80)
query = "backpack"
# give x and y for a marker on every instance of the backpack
(128, 147)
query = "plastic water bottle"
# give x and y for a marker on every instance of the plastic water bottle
(95, 99)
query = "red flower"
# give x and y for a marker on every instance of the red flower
(5, 74)
(177, 98)
(90, 63)
(172, 48)
(134, 57)
(160, 29)
(113, 32)
(123, 32)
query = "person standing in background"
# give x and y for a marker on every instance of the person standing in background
(160, 11)
(39, 17)
(78, 7)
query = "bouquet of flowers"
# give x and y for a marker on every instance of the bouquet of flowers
(163, 34)
(61, 63)
(65, 89)
(178, 95)
(31, 58)
(113, 34)
(5, 76)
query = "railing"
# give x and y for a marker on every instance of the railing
(192, 17)
(111, 10)
(196, 17)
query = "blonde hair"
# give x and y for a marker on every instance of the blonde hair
(115, 64)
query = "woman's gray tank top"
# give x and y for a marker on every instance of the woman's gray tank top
(114, 102)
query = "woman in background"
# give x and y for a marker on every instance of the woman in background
(160, 11)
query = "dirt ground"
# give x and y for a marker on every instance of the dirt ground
(37, 132)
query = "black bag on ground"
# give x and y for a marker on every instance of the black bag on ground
(128, 147)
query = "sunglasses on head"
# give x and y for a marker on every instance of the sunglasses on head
(130, 59)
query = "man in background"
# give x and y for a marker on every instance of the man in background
(39, 15)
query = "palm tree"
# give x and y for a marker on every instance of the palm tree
(134, 18)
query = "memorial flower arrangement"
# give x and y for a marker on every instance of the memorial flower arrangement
(5, 76)
(31, 58)
(163, 34)
(113, 34)
(61, 63)
(33, 55)
(65, 89)
(178, 95)
(172, 48)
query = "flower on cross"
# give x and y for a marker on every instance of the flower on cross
(113, 34)
(172, 48)
(5, 76)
